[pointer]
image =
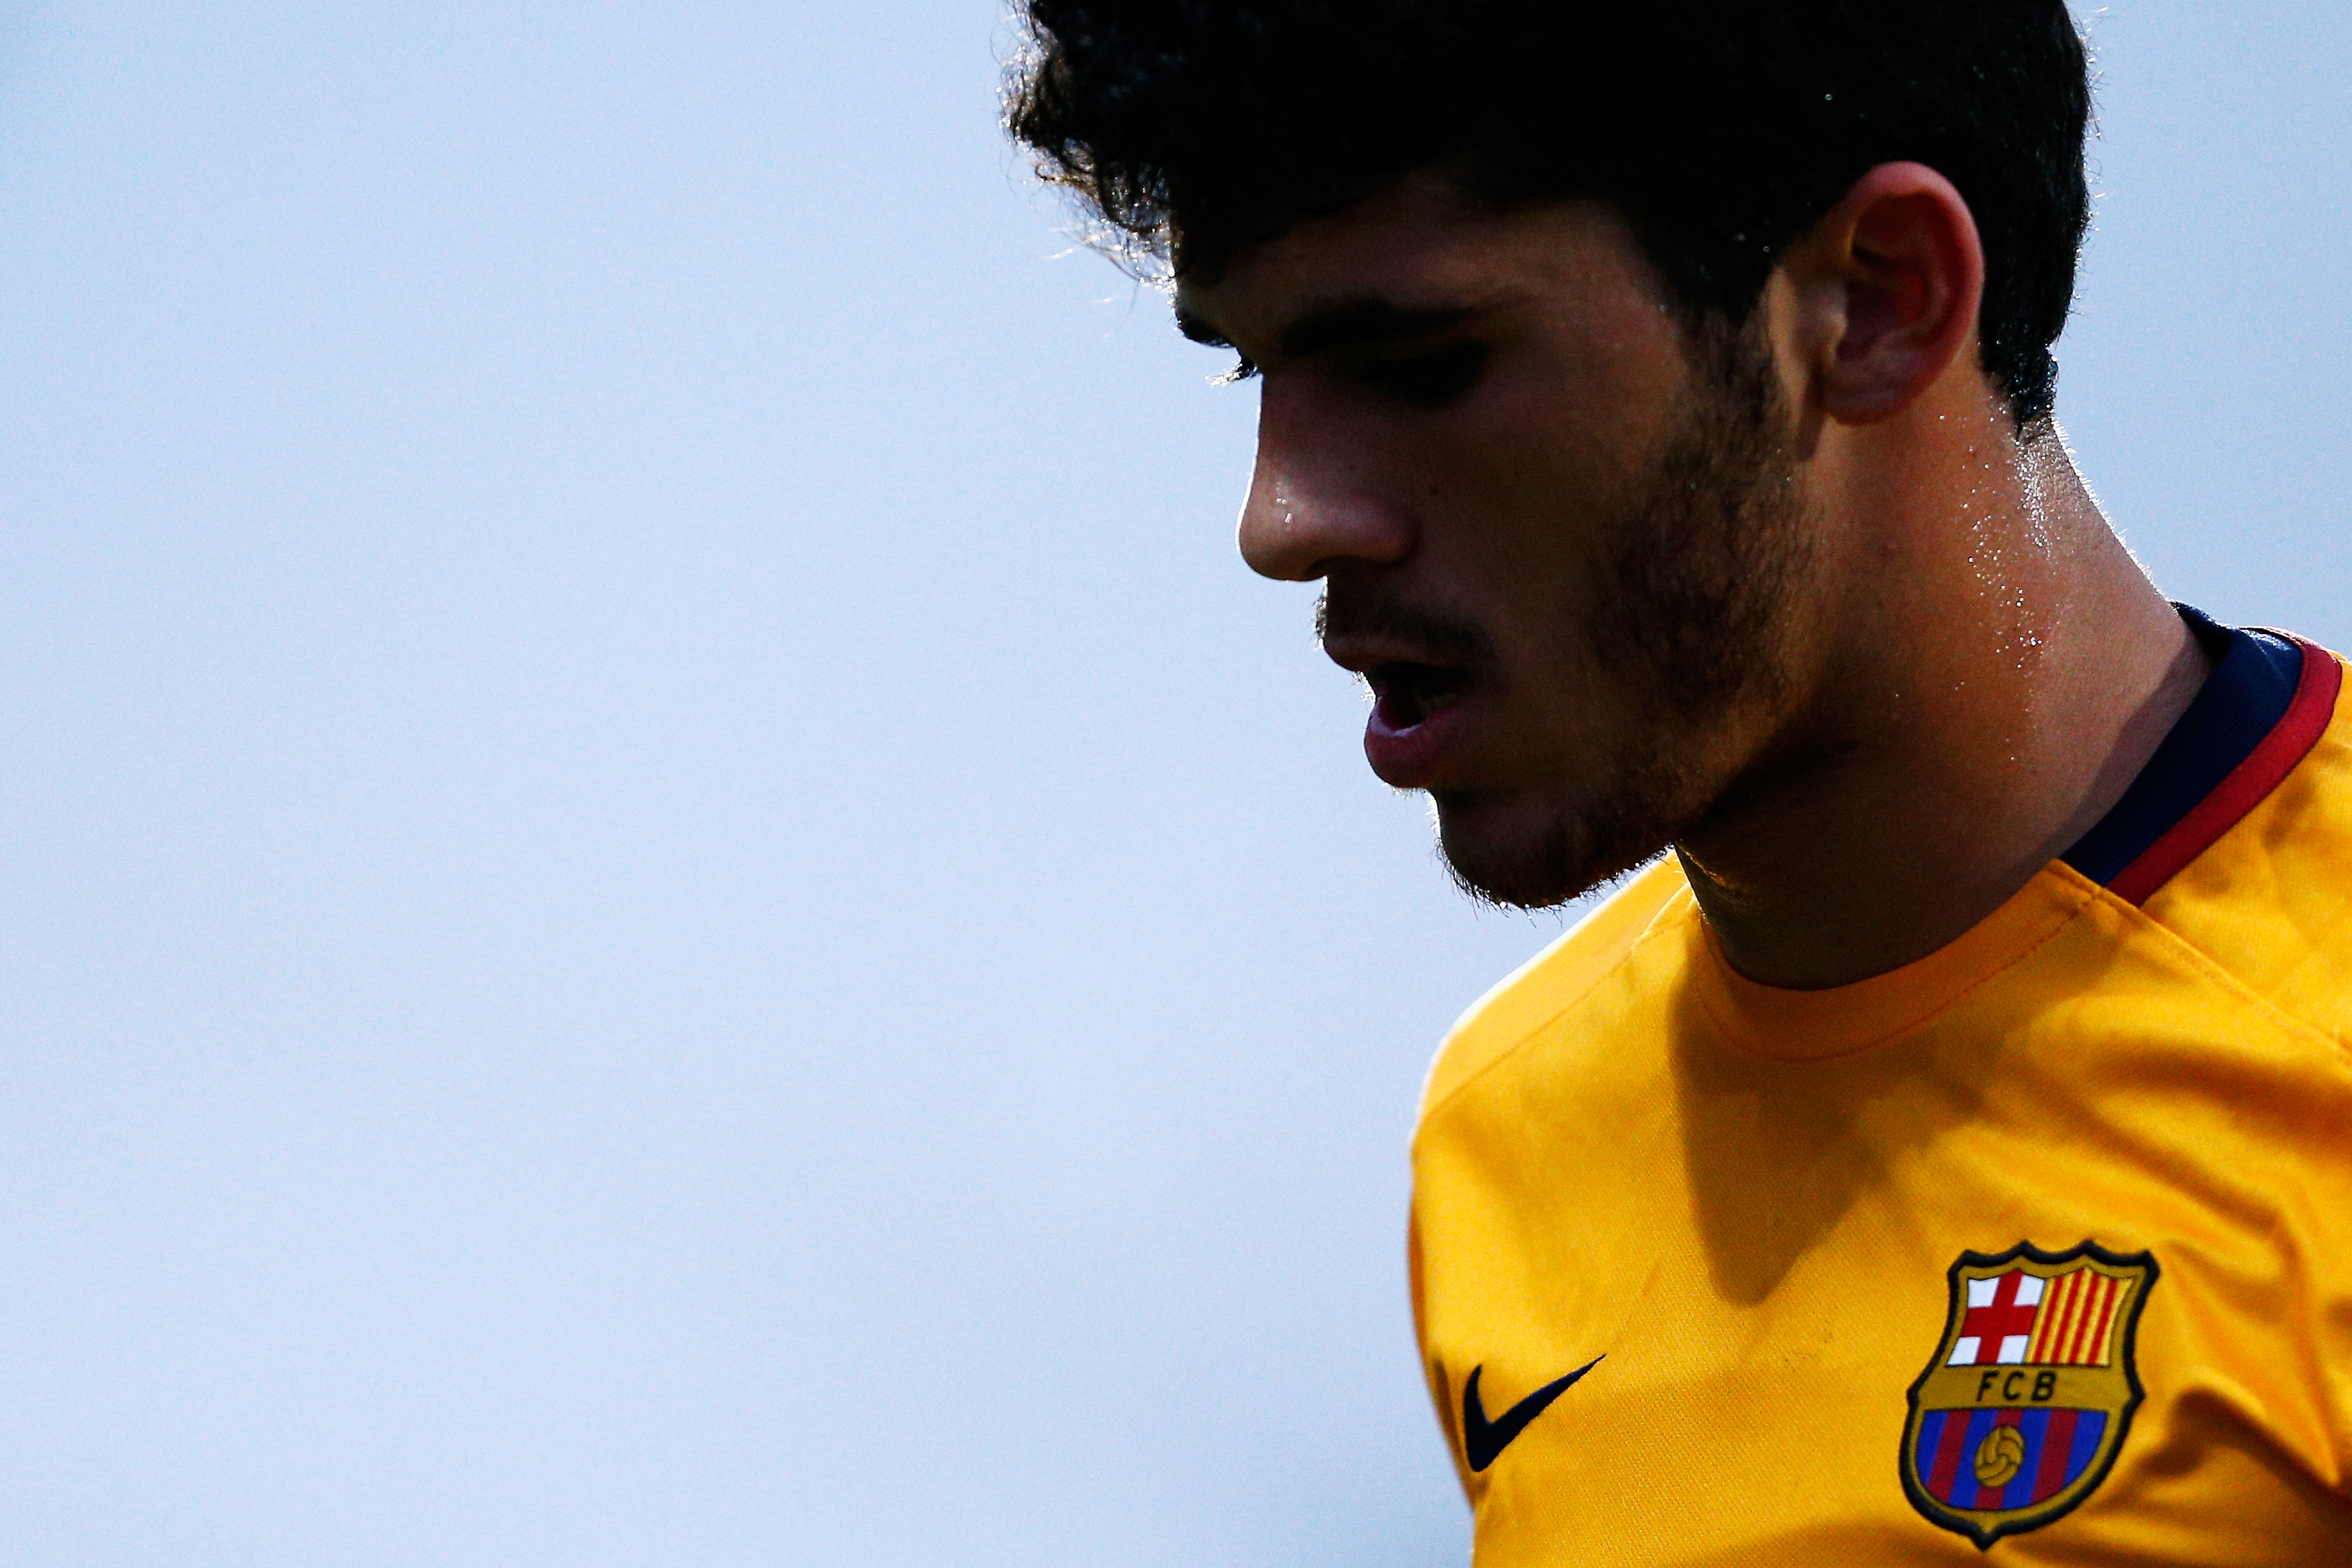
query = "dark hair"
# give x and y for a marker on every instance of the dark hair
(1723, 130)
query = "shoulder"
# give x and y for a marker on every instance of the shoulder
(2270, 900)
(1552, 983)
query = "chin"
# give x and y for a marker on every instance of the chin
(1532, 856)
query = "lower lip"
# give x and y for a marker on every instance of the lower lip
(1410, 758)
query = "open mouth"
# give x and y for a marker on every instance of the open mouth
(1404, 695)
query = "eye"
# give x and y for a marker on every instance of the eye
(1244, 369)
(1431, 379)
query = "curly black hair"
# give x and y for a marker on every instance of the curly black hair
(1722, 129)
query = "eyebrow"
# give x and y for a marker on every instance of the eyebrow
(1343, 324)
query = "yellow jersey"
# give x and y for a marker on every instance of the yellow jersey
(2039, 1248)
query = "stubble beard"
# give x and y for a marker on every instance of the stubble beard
(1690, 619)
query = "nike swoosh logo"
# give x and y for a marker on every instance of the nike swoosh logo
(1483, 1441)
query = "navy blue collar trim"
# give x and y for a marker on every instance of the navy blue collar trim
(2253, 683)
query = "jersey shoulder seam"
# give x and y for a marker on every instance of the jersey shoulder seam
(1430, 1107)
(2214, 969)
(2292, 1018)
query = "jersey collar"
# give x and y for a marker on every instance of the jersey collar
(2262, 708)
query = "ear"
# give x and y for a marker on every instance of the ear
(1886, 287)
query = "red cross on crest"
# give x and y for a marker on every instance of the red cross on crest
(1999, 1323)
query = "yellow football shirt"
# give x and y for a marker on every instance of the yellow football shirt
(2039, 1248)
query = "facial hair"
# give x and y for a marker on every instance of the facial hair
(1690, 618)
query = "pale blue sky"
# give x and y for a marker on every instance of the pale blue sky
(666, 899)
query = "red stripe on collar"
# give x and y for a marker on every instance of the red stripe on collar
(2265, 767)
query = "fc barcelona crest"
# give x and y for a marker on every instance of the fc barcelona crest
(2020, 1414)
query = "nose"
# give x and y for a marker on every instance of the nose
(1310, 507)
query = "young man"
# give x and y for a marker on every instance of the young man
(1948, 1147)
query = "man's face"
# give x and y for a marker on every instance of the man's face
(1562, 538)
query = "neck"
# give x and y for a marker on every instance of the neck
(1997, 677)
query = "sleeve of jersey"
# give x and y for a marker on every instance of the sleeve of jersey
(2275, 1320)
(1439, 1391)
(2333, 1331)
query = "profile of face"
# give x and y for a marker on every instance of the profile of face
(1562, 527)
